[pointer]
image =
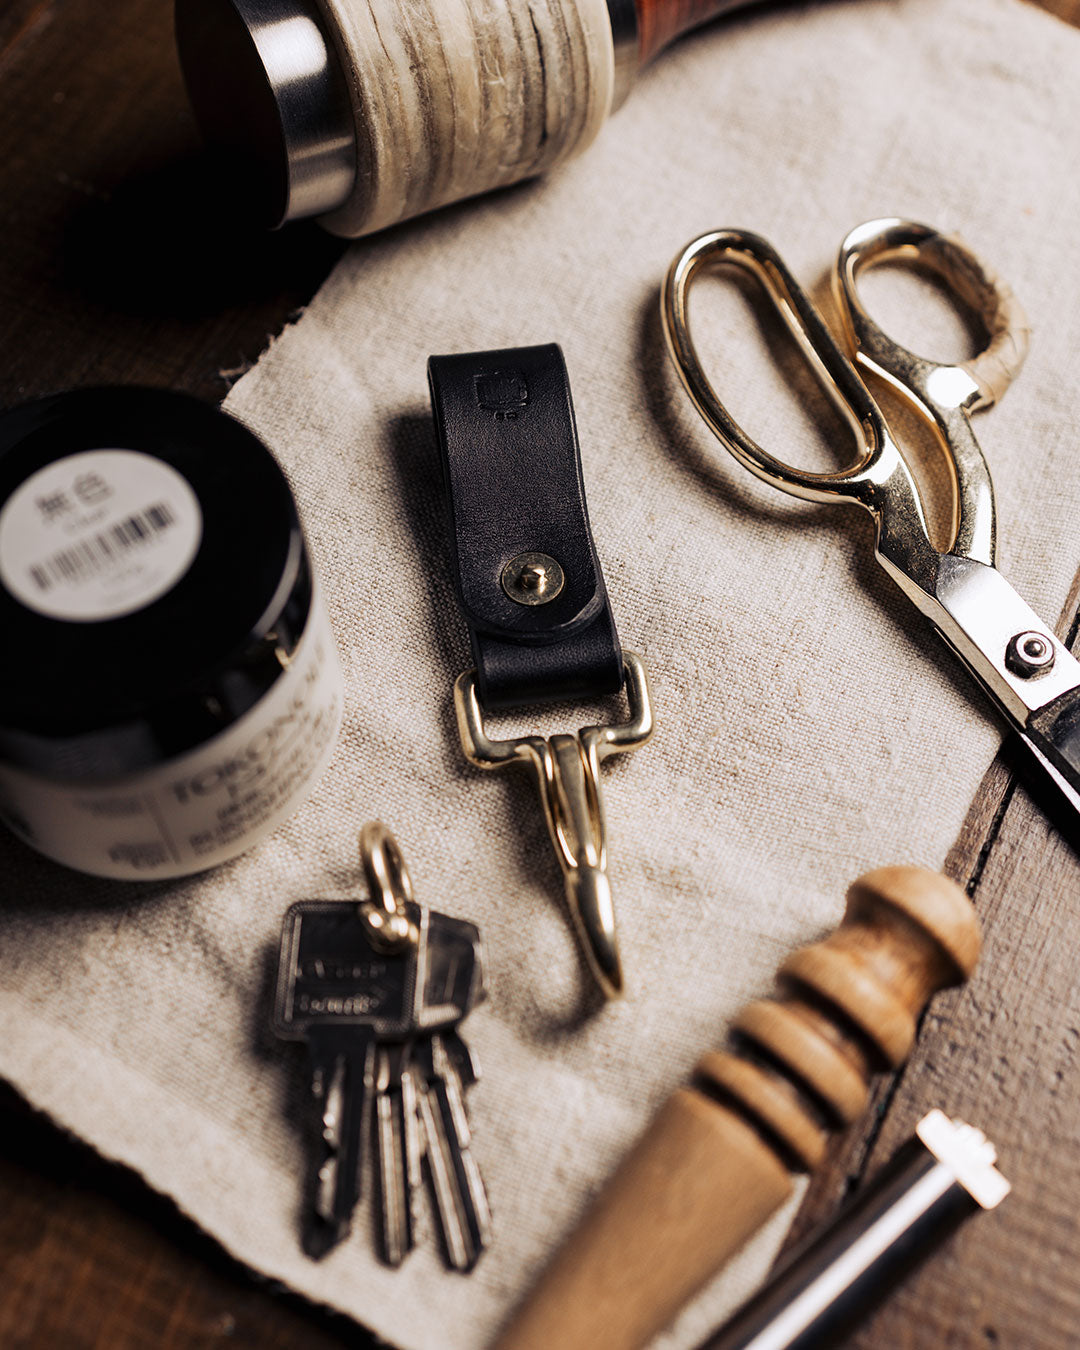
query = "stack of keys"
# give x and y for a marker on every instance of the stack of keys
(378, 990)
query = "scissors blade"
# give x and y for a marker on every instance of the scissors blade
(982, 619)
(1053, 737)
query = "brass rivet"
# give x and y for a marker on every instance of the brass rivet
(532, 579)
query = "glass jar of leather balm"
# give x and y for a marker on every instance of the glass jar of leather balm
(169, 690)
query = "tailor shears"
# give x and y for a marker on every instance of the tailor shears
(1029, 675)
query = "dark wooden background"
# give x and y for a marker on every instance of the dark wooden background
(117, 264)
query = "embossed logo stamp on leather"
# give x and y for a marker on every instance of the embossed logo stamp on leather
(503, 392)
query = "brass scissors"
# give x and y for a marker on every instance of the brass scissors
(1028, 674)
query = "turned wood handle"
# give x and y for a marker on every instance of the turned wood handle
(717, 1160)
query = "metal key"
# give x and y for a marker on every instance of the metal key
(398, 1146)
(377, 989)
(461, 1072)
(340, 1075)
(451, 975)
(453, 984)
(461, 1202)
(338, 990)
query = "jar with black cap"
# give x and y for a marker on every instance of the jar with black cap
(170, 690)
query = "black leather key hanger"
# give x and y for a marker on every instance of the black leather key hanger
(532, 591)
(526, 569)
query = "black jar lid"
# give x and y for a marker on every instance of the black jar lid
(95, 687)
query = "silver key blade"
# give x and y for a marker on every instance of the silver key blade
(413, 1147)
(394, 1123)
(333, 1111)
(341, 1081)
(453, 985)
(459, 1250)
(447, 1053)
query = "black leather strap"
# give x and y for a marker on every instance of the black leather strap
(509, 447)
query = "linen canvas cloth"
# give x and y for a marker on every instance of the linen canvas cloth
(810, 725)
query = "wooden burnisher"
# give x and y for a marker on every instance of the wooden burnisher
(718, 1159)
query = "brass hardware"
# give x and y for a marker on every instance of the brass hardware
(390, 887)
(532, 579)
(567, 770)
(960, 591)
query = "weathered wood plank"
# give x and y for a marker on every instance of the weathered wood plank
(1069, 10)
(91, 1258)
(1003, 1054)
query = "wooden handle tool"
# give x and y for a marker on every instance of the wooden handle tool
(718, 1159)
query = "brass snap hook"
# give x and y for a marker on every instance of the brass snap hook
(567, 770)
(390, 890)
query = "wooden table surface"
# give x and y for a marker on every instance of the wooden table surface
(116, 265)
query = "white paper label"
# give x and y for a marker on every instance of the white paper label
(203, 807)
(98, 534)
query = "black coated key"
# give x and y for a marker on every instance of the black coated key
(342, 995)
(452, 977)
(340, 1075)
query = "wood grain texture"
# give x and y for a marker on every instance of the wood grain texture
(660, 22)
(92, 1261)
(1003, 1055)
(693, 1187)
(115, 268)
(717, 1160)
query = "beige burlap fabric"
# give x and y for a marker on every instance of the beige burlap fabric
(810, 725)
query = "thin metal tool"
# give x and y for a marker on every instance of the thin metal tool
(833, 1279)
(1028, 674)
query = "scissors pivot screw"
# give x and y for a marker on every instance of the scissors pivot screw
(532, 579)
(1029, 654)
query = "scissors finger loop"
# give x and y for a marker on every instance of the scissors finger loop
(988, 374)
(832, 369)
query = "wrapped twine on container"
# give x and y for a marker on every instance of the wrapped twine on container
(455, 97)
(367, 112)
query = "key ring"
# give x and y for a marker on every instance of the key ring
(390, 890)
(378, 990)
